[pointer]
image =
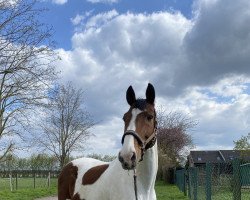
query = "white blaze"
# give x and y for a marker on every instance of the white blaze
(128, 145)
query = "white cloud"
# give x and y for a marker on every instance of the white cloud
(8, 3)
(79, 19)
(107, 139)
(122, 49)
(219, 121)
(218, 44)
(103, 1)
(100, 19)
(199, 66)
(59, 2)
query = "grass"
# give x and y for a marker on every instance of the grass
(24, 183)
(164, 192)
(27, 194)
(26, 189)
(245, 195)
(222, 193)
(168, 192)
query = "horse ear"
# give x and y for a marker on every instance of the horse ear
(130, 95)
(150, 94)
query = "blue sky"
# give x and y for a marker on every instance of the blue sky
(59, 15)
(195, 53)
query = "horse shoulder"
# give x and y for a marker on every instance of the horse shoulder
(66, 181)
(89, 171)
(93, 174)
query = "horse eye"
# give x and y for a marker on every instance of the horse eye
(150, 117)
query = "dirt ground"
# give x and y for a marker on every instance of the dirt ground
(47, 198)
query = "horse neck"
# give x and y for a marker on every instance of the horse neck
(147, 169)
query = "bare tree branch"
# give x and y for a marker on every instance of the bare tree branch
(65, 127)
(26, 70)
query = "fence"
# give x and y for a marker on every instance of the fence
(14, 180)
(221, 181)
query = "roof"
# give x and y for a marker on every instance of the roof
(217, 156)
(232, 154)
(206, 156)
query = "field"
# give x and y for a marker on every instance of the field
(26, 183)
(26, 189)
(27, 194)
(164, 192)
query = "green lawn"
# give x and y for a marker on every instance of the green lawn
(168, 192)
(26, 183)
(27, 194)
(164, 192)
(26, 189)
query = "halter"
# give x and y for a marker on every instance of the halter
(144, 145)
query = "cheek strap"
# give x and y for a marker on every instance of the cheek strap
(149, 143)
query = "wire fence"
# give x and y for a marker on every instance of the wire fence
(220, 181)
(14, 180)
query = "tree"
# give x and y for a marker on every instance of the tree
(243, 143)
(34, 162)
(105, 158)
(173, 138)
(26, 69)
(173, 134)
(65, 127)
(42, 162)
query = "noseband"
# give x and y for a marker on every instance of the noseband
(144, 145)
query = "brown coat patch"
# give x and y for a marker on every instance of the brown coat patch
(93, 174)
(76, 197)
(66, 182)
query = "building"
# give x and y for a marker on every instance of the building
(200, 158)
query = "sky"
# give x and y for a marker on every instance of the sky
(195, 53)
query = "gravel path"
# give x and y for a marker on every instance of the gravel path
(48, 198)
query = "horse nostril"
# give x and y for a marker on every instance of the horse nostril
(120, 158)
(126, 165)
(133, 158)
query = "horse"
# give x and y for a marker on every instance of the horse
(132, 175)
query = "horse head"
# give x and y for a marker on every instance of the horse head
(139, 128)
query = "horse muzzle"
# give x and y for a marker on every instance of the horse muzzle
(128, 161)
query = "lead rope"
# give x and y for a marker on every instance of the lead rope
(135, 184)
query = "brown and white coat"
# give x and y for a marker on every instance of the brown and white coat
(91, 179)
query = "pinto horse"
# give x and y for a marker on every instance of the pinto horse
(91, 179)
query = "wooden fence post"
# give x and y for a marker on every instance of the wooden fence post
(11, 186)
(16, 181)
(208, 181)
(49, 180)
(236, 180)
(34, 179)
